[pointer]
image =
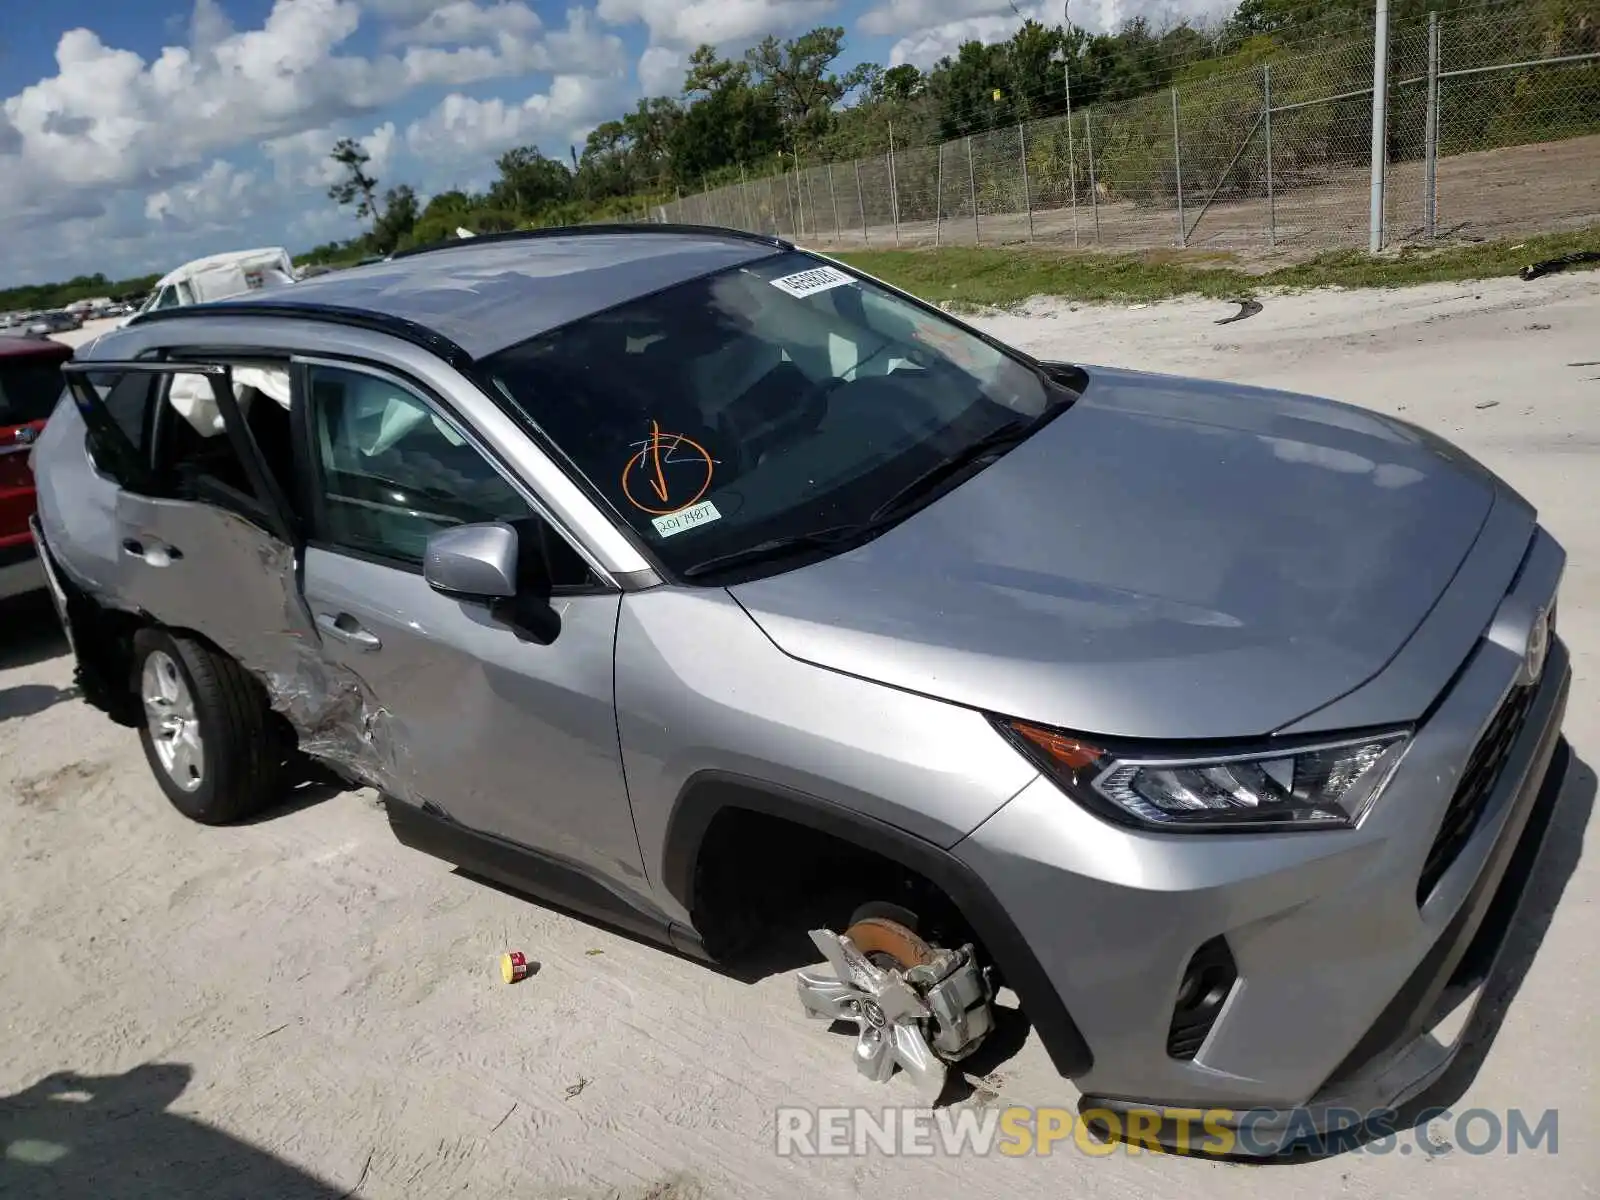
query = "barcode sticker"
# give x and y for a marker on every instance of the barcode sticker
(808, 283)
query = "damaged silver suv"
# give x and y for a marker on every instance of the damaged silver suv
(710, 588)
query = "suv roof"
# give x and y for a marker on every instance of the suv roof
(486, 293)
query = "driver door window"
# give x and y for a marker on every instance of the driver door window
(394, 471)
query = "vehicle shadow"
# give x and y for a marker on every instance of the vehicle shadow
(114, 1138)
(33, 632)
(1548, 870)
(29, 699)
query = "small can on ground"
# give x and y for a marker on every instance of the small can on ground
(516, 966)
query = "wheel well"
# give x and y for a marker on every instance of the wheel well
(759, 876)
(104, 639)
(749, 858)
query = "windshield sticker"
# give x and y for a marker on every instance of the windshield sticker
(808, 283)
(668, 474)
(688, 518)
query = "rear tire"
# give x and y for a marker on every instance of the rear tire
(207, 732)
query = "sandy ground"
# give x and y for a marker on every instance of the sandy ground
(300, 1007)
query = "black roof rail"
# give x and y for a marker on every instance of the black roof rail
(518, 235)
(331, 314)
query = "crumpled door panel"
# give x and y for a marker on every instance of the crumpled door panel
(194, 566)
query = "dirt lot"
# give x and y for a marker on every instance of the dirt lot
(302, 1008)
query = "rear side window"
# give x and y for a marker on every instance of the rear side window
(126, 399)
(29, 389)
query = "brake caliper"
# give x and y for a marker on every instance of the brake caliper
(918, 1019)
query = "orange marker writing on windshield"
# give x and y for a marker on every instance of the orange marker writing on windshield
(660, 483)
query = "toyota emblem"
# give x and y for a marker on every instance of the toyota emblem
(1538, 648)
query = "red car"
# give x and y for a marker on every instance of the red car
(30, 384)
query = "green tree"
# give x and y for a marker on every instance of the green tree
(529, 181)
(400, 213)
(726, 121)
(358, 187)
(797, 75)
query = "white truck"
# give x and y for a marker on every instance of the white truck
(222, 276)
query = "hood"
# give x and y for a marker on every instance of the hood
(1169, 558)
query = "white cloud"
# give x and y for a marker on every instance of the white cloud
(931, 29)
(462, 128)
(304, 159)
(221, 195)
(902, 16)
(689, 24)
(108, 118)
(928, 46)
(463, 21)
(661, 71)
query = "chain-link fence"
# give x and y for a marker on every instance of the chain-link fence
(1491, 128)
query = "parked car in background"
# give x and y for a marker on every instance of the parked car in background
(30, 385)
(221, 277)
(722, 591)
(54, 322)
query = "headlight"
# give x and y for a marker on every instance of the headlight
(1326, 785)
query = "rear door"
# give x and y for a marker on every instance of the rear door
(30, 385)
(205, 539)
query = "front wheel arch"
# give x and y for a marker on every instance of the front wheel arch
(712, 796)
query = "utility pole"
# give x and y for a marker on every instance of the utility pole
(1066, 83)
(1380, 123)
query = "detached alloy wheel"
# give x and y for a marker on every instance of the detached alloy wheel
(207, 732)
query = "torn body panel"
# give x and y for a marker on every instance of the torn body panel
(190, 565)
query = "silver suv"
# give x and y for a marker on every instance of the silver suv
(715, 590)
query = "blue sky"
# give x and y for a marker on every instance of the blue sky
(138, 134)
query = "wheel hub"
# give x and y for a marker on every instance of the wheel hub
(888, 1014)
(174, 725)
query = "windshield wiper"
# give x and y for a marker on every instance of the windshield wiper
(989, 446)
(776, 547)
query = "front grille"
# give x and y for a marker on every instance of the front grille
(1477, 784)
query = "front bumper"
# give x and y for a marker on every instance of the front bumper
(1341, 972)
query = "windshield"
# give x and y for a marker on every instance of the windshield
(772, 401)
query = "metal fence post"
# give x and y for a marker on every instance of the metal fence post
(1430, 149)
(800, 202)
(1380, 123)
(861, 202)
(894, 190)
(972, 191)
(1027, 196)
(938, 198)
(1177, 166)
(811, 197)
(1266, 115)
(1094, 186)
(838, 233)
(744, 194)
(1072, 151)
(788, 197)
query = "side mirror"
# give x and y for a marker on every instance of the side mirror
(473, 561)
(500, 562)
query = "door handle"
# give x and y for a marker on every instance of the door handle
(347, 629)
(153, 553)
